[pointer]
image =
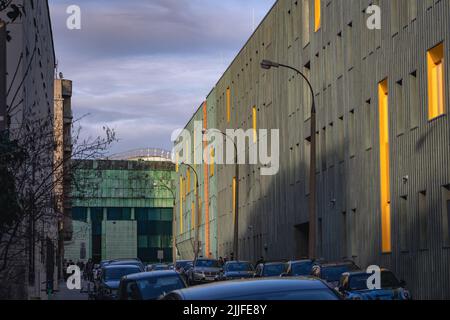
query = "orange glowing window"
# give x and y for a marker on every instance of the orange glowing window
(255, 123)
(234, 199)
(211, 161)
(228, 104)
(436, 92)
(383, 98)
(188, 184)
(317, 15)
(192, 215)
(181, 204)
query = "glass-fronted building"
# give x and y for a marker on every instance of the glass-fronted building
(128, 208)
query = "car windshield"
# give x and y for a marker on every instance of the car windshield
(112, 274)
(155, 287)
(207, 264)
(182, 264)
(239, 266)
(271, 270)
(302, 268)
(161, 267)
(359, 281)
(333, 273)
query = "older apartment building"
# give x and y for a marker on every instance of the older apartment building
(29, 242)
(383, 141)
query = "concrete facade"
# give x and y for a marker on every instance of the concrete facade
(347, 64)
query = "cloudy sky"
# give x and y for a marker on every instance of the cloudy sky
(143, 67)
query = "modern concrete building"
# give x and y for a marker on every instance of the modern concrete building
(126, 204)
(383, 141)
(29, 263)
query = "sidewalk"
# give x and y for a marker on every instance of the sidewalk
(66, 294)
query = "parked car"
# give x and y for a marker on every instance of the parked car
(331, 272)
(186, 270)
(353, 286)
(131, 262)
(236, 270)
(110, 279)
(203, 271)
(180, 264)
(156, 267)
(298, 268)
(259, 289)
(270, 269)
(150, 285)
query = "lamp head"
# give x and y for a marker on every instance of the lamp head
(267, 64)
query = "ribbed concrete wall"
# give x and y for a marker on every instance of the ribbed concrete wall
(345, 61)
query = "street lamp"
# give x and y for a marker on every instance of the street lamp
(236, 213)
(174, 252)
(197, 224)
(267, 64)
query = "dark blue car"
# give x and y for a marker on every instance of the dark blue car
(353, 286)
(259, 289)
(237, 270)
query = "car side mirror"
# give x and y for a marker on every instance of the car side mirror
(341, 289)
(283, 275)
(221, 269)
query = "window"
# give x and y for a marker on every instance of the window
(181, 204)
(423, 220)
(344, 235)
(254, 115)
(228, 104)
(436, 94)
(383, 100)
(324, 149)
(414, 100)
(188, 178)
(400, 107)
(446, 214)
(305, 20)
(234, 199)
(177, 160)
(211, 165)
(317, 15)
(307, 161)
(403, 223)
(192, 215)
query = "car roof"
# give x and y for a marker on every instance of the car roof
(273, 263)
(359, 272)
(120, 266)
(237, 288)
(301, 261)
(133, 262)
(154, 274)
(337, 264)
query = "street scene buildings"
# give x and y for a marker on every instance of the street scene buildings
(356, 91)
(382, 141)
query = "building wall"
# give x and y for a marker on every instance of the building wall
(30, 73)
(79, 247)
(115, 195)
(345, 62)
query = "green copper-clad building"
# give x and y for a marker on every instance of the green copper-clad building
(123, 208)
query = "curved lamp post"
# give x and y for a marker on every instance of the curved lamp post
(236, 213)
(197, 220)
(267, 64)
(174, 244)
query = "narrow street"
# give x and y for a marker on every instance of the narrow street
(70, 295)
